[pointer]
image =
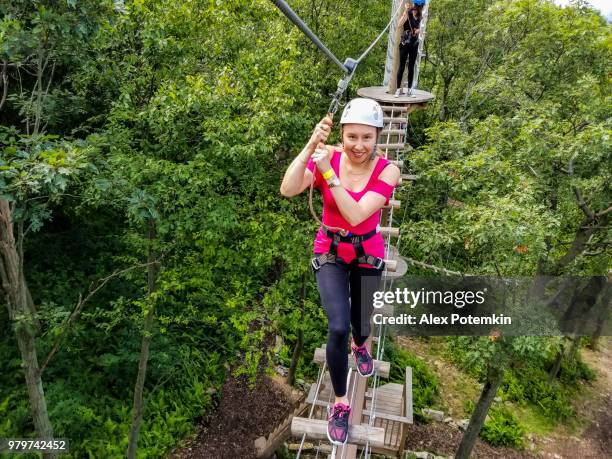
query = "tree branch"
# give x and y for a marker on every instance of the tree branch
(578, 194)
(603, 212)
(81, 302)
(4, 84)
(583, 206)
(5, 287)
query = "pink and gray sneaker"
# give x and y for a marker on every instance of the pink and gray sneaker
(363, 359)
(338, 423)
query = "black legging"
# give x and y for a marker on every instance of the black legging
(337, 283)
(407, 51)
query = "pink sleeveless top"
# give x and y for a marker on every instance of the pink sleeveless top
(332, 216)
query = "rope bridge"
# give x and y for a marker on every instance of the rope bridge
(381, 413)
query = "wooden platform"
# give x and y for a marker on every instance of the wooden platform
(393, 410)
(380, 94)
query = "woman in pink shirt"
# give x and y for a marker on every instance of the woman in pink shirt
(355, 184)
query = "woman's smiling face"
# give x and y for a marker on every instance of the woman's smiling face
(359, 141)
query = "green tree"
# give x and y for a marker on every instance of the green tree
(514, 175)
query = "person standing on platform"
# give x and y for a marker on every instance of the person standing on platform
(409, 43)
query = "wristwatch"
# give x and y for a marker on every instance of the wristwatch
(334, 182)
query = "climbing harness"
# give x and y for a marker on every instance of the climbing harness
(360, 256)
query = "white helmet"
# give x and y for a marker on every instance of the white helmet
(363, 111)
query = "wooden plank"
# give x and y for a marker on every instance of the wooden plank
(391, 265)
(359, 434)
(390, 417)
(399, 164)
(391, 146)
(395, 435)
(381, 367)
(401, 268)
(394, 120)
(407, 177)
(387, 399)
(358, 387)
(401, 108)
(390, 410)
(393, 132)
(393, 203)
(323, 390)
(390, 407)
(386, 391)
(418, 99)
(394, 388)
(390, 397)
(389, 230)
(408, 397)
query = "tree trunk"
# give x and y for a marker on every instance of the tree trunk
(299, 345)
(571, 355)
(144, 348)
(21, 310)
(443, 107)
(552, 374)
(544, 274)
(582, 311)
(489, 390)
(603, 316)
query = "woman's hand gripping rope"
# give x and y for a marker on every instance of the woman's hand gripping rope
(320, 134)
(321, 157)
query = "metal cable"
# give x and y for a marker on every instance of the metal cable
(293, 17)
(352, 399)
(369, 48)
(320, 379)
(381, 335)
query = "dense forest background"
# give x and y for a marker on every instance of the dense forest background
(142, 148)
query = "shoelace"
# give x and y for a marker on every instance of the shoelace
(362, 354)
(340, 420)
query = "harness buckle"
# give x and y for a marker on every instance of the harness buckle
(379, 264)
(315, 264)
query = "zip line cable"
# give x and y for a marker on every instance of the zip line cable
(293, 17)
